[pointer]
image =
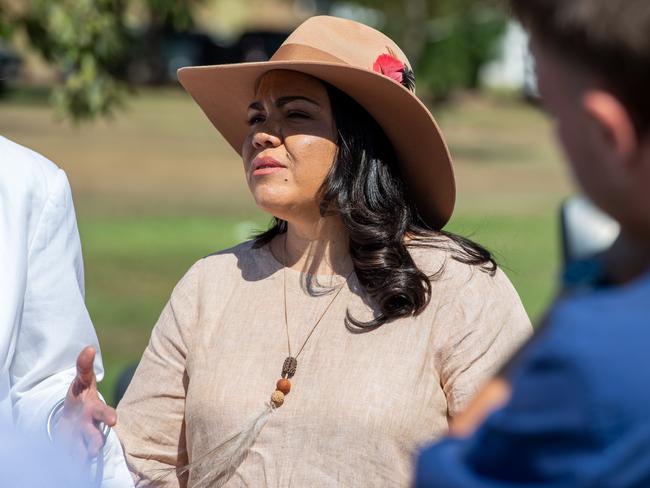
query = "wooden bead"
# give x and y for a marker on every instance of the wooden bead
(277, 398)
(284, 385)
(289, 367)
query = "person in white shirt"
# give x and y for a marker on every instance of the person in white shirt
(45, 329)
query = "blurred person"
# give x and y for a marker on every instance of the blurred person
(326, 350)
(47, 380)
(572, 408)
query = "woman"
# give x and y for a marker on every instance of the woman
(326, 350)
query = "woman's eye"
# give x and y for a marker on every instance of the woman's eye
(298, 115)
(255, 119)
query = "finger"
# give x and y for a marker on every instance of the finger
(85, 370)
(78, 450)
(104, 413)
(93, 440)
(494, 395)
(69, 437)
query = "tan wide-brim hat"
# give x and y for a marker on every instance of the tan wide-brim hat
(366, 65)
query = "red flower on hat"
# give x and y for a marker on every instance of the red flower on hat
(389, 65)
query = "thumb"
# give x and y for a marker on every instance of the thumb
(85, 370)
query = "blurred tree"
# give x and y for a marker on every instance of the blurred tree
(464, 41)
(86, 40)
(4, 24)
(447, 41)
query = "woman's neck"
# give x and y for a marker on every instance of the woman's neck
(319, 247)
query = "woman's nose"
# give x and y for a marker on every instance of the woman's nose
(265, 137)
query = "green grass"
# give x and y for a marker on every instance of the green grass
(156, 189)
(525, 247)
(132, 264)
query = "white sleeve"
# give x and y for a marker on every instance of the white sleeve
(113, 472)
(55, 324)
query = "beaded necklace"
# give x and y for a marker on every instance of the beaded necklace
(224, 458)
(283, 385)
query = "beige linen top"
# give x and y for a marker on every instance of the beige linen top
(360, 404)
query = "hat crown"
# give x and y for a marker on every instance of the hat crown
(325, 38)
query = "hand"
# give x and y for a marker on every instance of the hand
(493, 396)
(83, 411)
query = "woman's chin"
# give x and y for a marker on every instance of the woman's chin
(274, 205)
(285, 205)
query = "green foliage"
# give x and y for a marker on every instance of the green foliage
(465, 43)
(447, 41)
(84, 39)
(174, 14)
(87, 40)
(5, 26)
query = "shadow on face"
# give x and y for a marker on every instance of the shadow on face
(291, 144)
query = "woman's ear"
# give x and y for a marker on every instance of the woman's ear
(612, 126)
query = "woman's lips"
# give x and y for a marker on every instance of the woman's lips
(265, 165)
(267, 170)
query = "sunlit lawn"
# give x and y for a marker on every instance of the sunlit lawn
(157, 188)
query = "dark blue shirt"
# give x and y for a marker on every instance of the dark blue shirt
(579, 414)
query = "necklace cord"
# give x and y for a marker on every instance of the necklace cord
(284, 287)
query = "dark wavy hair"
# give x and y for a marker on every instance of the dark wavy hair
(366, 190)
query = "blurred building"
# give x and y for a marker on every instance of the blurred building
(513, 66)
(230, 18)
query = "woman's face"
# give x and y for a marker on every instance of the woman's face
(290, 146)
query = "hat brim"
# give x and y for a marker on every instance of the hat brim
(224, 92)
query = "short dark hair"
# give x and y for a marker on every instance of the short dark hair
(610, 38)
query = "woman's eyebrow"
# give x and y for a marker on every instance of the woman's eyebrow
(282, 101)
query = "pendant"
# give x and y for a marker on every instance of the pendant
(283, 386)
(289, 367)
